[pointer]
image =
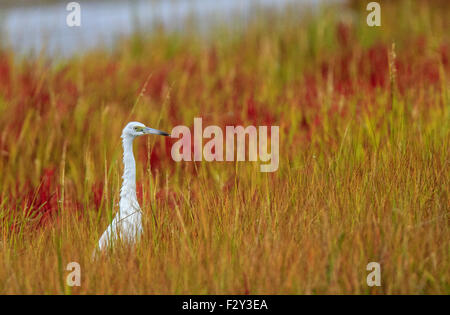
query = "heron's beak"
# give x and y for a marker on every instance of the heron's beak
(152, 131)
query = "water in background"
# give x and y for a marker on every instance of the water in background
(35, 28)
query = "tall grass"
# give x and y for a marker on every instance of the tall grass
(364, 160)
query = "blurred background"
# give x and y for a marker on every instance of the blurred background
(34, 26)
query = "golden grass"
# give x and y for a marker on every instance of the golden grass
(364, 161)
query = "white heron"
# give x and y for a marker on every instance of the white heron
(127, 224)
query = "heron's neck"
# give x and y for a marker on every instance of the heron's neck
(128, 199)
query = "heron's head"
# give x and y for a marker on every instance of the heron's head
(135, 129)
